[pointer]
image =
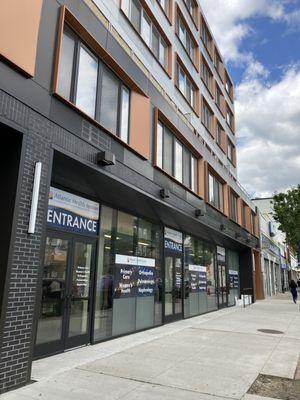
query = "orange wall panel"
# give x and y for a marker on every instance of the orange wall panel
(139, 137)
(19, 28)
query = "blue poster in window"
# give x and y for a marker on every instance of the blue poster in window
(134, 276)
(72, 213)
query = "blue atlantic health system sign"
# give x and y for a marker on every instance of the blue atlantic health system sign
(72, 213)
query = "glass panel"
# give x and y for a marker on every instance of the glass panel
(178, 161)
(87, 82)
(53, 291)
(178, 286)
(105, 280)
(146, 29)
(124, 128)
(181, 31)
(169, 283)
(194, 175)
(168, 152)
(66, 66)
(155, 42)
(211, 189)
(233, 275)
(186, 167)
(159, 150)
(181, 80)
(80, 291)
(163, 53)
(109, 101)
(136, 14)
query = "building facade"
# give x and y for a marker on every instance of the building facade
(120, 210)
(275, 254)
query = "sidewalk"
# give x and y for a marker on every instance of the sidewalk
(216, 356)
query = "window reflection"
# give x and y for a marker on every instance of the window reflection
(199, 277)
(87, 82)
(128, 290)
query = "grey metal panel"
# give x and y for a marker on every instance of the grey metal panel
(134, 162)
(123, 59)
(46, 44)
(25, 90)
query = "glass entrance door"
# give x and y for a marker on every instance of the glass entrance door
(173, 288)
(222, 286)
(64, 319)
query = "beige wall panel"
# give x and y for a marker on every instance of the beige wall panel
(139, 137)
(19, 27)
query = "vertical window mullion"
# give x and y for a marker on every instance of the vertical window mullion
(99, 92)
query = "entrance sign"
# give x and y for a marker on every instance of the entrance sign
(72, 213)
(173, 241)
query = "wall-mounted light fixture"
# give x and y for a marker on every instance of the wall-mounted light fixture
(237, 235)
(164, 193)
(35, 196)
(106, 158)
(223, 227)
(199, 213)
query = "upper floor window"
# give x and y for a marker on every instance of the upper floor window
(218, 62)
(185, 37)
(230, 151)
(206, 75)
(233, 206)
(164, 5)
(229, 118)
(219, 134)
(205, 35)
(87, 83)
(219, 96)
(228, 86)
(185, 85)
(175, 159)
(244, 219)
(253, 223)
(215, 192)
(148, 31)
(206, 116)
(192, 8)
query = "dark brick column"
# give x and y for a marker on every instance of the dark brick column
(21, 287)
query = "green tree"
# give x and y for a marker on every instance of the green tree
(287, 214)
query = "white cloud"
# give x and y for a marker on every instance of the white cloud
(229, 21)
(267, 113)
(268, 123)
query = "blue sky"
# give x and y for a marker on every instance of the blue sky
(260, 41)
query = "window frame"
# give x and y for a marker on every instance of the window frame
(74, 84)
(204, 67)
(180, 21)
(187, 81)
(203, 115)
(194, 13)
(231, 196)
(162, 39)
(217, 183)
(160, 160)
(207, 43)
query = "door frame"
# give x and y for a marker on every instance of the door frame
(59, 346)
(224, 304)
(174, 316)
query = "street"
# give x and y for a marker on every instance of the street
(213, 356)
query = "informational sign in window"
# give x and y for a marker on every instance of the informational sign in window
(72, 213)
(134, 276)
(198, 278)
(233, 279)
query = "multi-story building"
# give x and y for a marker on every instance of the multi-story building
(275, 260)
(121, 210)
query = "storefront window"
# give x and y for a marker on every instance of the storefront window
(199, 277)
(128, 290)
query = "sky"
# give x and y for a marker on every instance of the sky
(260, 42)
